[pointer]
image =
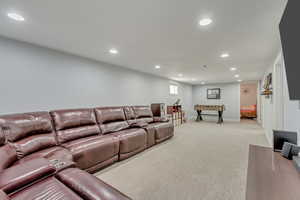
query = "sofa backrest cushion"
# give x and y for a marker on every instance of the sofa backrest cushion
(8, 154)
(143, 114)
(28, 132)
(2, 137)
(74, 124)
(130, 115)
(111, 119)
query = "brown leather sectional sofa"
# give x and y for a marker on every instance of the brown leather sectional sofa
(47, 155)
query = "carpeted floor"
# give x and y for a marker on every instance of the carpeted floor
(204, 161)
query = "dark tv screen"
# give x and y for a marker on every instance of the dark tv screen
(290, 40)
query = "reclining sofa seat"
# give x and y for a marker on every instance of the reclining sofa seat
(77, 130)
(112, 121)
(133, 122)
(163, 128)
(32, 136)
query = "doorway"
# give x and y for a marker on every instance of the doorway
(248, 100)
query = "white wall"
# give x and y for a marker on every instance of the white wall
(34, 78)
(248, 94)
(291, 115)
(279, 112)
(230, 97)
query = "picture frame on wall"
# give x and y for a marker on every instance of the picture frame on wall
(214, 93)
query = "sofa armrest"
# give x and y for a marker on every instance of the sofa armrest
(25, 173)
(88, 186)
(3, 195)
(138, 125)
(160, 119)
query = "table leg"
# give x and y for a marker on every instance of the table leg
(199, 117)
(220, 121)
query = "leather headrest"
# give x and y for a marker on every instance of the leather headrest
(142, 111)
(2, 137)
(110, 114)
(129, 113)
(18, 126)
(72, 118)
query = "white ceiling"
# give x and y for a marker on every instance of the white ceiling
(151, 32)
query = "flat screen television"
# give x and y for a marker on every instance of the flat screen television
(290, 40)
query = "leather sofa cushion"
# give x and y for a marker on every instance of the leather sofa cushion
(8, 156)
(90, 151)
(151, 131)
(20, 175)
(88, 186)
(73, 124)
(71, 118)
(18, 126)
(2, 137)
(160, 119)
(130, 115)
(28, 132)
(111, 119)
(131, 139)
(52, 153)
(162, 130)
(75, 133)
(143, 114)
(50, 188)
(34, 143)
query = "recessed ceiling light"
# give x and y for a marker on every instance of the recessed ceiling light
(202, 82)
(237, 76)
(157, 67)
(113, 51)
(240, 80)
(205, 22)
(224, 55)
(193, 79)
(16, 16)
(233, 69)
(181, 75)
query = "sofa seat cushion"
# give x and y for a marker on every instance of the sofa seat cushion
(23, 174)
(90, 151)
(50, 188)
(52, 153)
(131, 139)
(88, 186)
(163, 131)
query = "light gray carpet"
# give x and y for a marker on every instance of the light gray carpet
(204, 161)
